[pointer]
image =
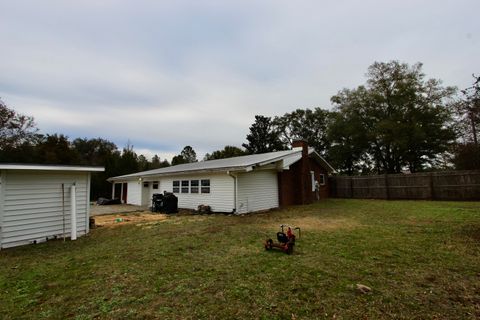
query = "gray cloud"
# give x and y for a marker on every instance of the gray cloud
(167, 74)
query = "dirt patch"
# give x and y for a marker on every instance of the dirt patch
(321, 224)
(114, 220)
(472, 232)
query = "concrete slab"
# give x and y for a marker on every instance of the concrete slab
(96, 210)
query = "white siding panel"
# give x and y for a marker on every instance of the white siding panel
(257, 190)
(134, 193)
(32, 205)
(2, 181)
(220, 198)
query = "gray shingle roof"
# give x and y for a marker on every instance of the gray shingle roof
(229, 164)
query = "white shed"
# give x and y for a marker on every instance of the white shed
(41, 202)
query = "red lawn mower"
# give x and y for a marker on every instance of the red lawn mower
(286, 241)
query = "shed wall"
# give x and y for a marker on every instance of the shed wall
(32, 205)
(257, 190)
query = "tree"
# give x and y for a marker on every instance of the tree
(467, 157)
(187, 155)
(468, 112)
(347, 152)
(56, 149)
(15, 129)
(307, 124)
(128, 162)
(94, 151)
(143, 163)
(405, 118)
(263, 137)
(99, 152)
(227, 152)
(156, 163)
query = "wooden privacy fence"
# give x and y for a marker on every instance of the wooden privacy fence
(451, 185)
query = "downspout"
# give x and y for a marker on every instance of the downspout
(235, 182)
(73, 212)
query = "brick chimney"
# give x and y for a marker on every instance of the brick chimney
(304, 179)
(303, 144)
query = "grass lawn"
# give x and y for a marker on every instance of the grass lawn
(422, 260)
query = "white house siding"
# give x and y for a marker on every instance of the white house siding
(257, 190)
(134, 192)
(32, 205)
(220, 198)
(2, 180)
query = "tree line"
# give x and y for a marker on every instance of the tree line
(398, 120)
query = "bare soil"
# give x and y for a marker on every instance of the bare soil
(114, 220)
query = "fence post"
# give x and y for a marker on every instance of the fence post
(387, 187)
(432, 188)
(351, 187)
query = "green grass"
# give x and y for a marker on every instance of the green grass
(422, 260)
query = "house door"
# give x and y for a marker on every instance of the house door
(146, 194)
(117, 191)
(124, 193)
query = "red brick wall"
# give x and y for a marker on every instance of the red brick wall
(290, 189)
(288, 181)
(317, 169)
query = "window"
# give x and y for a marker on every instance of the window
(176, 186)
(194, 186)
(205, 186)
(145, 185)
(185, 184)
(312, 175)
(322, 179)
(155, 185)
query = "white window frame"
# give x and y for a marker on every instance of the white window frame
(322, 179)
(205, 186)
(183, 187)
(197, 187)
(173, 186)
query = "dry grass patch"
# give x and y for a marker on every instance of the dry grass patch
(325, 224)
(314, 223)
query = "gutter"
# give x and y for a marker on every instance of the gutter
(176, 173)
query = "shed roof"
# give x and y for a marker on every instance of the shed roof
(49, 167)
(229, 164)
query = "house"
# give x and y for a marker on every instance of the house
(241, 184)
(40, 202)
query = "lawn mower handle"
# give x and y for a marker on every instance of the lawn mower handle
(291, 227)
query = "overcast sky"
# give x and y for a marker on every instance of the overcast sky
(165, 74)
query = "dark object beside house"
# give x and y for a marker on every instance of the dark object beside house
(204, 209)
(166, 202)
(105, 201)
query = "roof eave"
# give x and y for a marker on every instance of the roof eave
(177, 173)
(41, 167)
(322, 160)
